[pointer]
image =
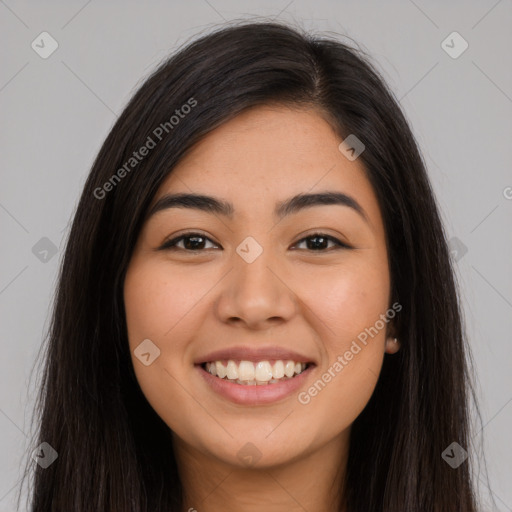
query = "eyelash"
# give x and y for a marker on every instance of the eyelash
(172, 244)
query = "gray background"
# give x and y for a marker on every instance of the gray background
(57, 111)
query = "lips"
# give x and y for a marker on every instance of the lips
(255, 395)
(252, 395)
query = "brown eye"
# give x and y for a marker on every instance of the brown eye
(191, 242)
(318, 242)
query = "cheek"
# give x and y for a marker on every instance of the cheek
(348, 299)
(161, 307)
(338, 396)
(156, 307)
(156, 300)
(347, 305)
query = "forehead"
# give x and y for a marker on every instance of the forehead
(264, 139)
(265, 155)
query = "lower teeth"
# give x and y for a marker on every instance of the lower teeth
(256, 382)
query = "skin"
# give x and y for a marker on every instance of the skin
(314, 301)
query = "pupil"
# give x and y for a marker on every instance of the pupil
(317, 245)
(195, 239)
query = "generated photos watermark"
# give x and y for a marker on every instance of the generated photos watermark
(342, 360)
(157, 135)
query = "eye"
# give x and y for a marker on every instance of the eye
(192, 242)
(320, 240)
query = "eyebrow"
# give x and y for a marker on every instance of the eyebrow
(283, 209)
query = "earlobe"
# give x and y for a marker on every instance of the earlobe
(392, 345)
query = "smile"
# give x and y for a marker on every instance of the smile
(255, 391)
(260, 373)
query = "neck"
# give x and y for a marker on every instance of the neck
(311, 483)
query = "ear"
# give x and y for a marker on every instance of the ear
(392, 345)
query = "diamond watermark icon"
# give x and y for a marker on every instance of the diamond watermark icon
(44, 250)
(454, 455)
(44, 45)
(351, 147)
(44, 455)
(454, 45)
(146, 352)
(457, 248)
(249, 249)
(249, 454)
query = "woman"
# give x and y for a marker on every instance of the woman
(256, 308)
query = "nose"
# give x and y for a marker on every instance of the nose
(257, 294)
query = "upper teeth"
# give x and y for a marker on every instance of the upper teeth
(261, 371)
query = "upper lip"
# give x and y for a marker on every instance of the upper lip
(241, 353)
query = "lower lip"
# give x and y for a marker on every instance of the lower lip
(257, 394)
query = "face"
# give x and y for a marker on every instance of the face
(263, 280)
